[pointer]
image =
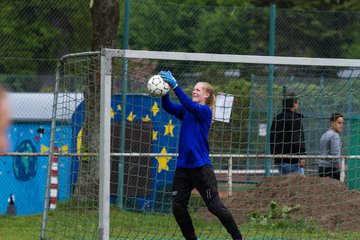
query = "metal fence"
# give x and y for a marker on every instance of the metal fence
(34, 35)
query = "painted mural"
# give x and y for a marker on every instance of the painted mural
(142, 111)
(24, 177)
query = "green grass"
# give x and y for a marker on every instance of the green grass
(133, 225)
(20, 227)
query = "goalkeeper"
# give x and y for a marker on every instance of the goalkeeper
(194, 168)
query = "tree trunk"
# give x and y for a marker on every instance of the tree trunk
(105, 18)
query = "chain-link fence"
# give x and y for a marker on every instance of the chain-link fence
(34, 35)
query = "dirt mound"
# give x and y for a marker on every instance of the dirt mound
(323, 200)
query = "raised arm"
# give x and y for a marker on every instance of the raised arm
(201, 112)
(175, 109)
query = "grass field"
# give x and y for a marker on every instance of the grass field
(130, 225)
(20, 227)
(135, 225)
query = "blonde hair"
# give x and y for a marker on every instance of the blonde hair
(210, 101)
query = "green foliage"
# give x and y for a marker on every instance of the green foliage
(35, 34)
(85, 149)
(228, 30)
(278, 218)
(26, 83)
(190, 28)
(242, 3)
(41, 31)
(238, 30)
(325, 5)
(315, 34)
(166, 28)
(274, 212)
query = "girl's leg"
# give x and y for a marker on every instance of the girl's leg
(205, 182)
(182, 188)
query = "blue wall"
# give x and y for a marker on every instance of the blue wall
(138, 108)
(25, 177)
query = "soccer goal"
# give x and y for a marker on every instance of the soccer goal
(114, 179)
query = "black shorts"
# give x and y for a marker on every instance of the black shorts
(202, 178)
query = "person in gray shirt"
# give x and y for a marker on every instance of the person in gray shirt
(330, 144)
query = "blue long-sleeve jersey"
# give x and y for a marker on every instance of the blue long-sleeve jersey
(196, 121)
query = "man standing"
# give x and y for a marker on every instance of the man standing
(330, 144)
(287, 136)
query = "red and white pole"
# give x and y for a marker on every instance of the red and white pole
(54, 180)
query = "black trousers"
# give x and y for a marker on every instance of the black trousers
(332, 172)
(204, 180)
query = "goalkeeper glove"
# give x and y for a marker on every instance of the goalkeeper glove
(169, 78)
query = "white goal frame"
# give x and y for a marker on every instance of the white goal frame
(105, 120)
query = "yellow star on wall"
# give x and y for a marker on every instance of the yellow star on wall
(155, 109)
(163, 161)
(146, 119)
(118, 107)
(44, 149)
(79, 141)
(154, 135)
(112, 113)
(131, 117)
(64, 149)
(80, 148)
(169, 129)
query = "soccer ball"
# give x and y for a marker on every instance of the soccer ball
(157, 86)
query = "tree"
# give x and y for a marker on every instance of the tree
(105, 19)
(230, 31)
(239, 3)
(165, 27)
(194, 28)
(34, 35)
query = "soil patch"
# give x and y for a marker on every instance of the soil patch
(326, 201)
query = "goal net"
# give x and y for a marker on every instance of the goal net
(114, 179)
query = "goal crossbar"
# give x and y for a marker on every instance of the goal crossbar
(232, 58)
(228, 58)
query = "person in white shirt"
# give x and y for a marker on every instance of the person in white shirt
(330, 144)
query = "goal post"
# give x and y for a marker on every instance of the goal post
(105, 146)
(123, 146)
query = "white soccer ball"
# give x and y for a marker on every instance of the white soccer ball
(157, 86)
